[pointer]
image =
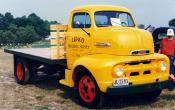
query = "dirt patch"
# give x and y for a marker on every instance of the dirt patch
(48, 94)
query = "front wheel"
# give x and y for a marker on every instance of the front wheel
(88, 92)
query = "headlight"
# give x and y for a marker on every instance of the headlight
(163, 67)
(119, 72)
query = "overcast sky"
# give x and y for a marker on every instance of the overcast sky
(154, 12)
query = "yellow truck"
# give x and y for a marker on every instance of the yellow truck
(102, 52)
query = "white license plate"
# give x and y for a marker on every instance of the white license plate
(120, 82)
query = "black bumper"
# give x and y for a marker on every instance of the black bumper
(132, 89)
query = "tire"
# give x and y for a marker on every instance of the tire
(88, 92)
(21, 71)
(151, 96)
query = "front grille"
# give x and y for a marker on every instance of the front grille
(146, 72)
(142, 71)
(138, 62)
(142, 67)
(134, 73)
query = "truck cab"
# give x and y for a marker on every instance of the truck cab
(106, 52)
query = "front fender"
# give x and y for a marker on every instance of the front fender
(101, 66)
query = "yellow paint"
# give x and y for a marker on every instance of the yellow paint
(102, 67)
(68, 81)
(102, 61)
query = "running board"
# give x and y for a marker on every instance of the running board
(63, 82)
(68, 79)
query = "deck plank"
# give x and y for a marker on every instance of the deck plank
(38, 54)
(41, 52)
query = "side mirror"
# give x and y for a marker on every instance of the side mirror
(77, 23)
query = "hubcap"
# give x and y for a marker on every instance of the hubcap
(87, 89)
(19, 71)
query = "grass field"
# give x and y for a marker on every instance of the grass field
(37, 44)
(48, 94)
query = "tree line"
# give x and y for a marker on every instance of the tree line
(25, 29)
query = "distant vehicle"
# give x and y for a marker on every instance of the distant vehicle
(158, 35)
(47, 38)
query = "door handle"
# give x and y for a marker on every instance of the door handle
(103, 44)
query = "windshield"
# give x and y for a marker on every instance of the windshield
(113, 18)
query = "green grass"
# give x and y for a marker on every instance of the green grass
(38, 44)
(45, 107)
(41, 44)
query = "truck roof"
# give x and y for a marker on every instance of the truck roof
(94, 8)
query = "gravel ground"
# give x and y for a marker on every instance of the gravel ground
(48, 94)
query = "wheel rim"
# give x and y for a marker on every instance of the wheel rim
(19, 71)
(87, 89)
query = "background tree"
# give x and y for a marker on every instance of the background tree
(23, 29)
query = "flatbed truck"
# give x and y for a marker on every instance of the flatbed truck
(105, 53)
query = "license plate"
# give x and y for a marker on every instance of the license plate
(120, 82)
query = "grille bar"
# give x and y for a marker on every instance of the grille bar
(138, 62)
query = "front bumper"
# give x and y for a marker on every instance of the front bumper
(133, 89)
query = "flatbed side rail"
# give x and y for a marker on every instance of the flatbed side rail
(37, 58)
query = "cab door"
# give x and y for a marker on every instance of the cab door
(78, 42)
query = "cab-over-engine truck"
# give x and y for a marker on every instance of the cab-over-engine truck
(105, 54)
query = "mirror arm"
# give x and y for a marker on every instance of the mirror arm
(86, 32)
(78, 23)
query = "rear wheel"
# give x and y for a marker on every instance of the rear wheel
(21, 71)
(88, 92)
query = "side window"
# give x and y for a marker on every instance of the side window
(87, 21)
(124, 19)
(161, 36)
(83, 19)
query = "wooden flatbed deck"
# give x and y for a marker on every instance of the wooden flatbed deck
(37, 54)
